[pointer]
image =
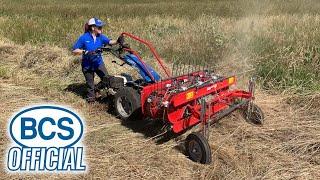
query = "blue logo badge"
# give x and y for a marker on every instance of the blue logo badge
(46, 139)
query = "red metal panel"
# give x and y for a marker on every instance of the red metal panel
(221, 102)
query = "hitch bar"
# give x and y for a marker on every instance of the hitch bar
(223, 113)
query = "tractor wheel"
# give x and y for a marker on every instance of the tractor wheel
(127, 104)
(253, 114)
(197, 148)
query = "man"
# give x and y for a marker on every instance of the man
(88, 45)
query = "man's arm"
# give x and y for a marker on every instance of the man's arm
(77, 48)
(78, 52)
(107, 41)
(113, 42)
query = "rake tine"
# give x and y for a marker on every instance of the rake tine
(191, 69)
(211, 67)
(194, 65)
(173, 68)
(181, 63)
(207, 66)
(183, 68)
(202, 65)
(189, 65)
(178, 68)
(198, 66)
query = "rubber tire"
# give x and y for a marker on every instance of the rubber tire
(132, 96)
(203, 147)
(257, 112)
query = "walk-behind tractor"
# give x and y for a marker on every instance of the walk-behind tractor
(182, 102)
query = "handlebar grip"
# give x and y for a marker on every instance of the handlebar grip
(120, 40)
(98, 51)
(105, 49)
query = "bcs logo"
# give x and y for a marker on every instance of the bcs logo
(46, 138)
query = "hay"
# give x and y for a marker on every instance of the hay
(286, 147)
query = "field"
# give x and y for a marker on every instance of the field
(276, 41)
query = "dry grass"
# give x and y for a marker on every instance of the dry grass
(277, 41)
(286, 147)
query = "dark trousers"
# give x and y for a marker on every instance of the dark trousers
(101, 71)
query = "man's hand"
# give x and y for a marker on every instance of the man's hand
(77, 52)
(113, 42)
(84, 52)
(120, 40)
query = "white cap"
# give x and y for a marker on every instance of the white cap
(96, 21)
(91, 21)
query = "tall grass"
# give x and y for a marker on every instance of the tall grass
(280, 38)
(289, 53)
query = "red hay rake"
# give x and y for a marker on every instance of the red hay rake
(199, 96)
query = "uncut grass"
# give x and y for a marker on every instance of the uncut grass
(280, 41)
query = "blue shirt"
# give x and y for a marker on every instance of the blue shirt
(86, 42)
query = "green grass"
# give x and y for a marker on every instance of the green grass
(280, 38)
(289, 54)
(4, 73)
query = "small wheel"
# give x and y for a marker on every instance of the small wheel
(198, 148)
(127, 103)
(253, 114)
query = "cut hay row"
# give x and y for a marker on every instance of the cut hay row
(287, 146)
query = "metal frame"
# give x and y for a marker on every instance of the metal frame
(181, 107)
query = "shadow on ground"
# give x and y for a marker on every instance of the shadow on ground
(79, 89)
(148, 127)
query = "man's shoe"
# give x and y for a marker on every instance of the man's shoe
(98, 95)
